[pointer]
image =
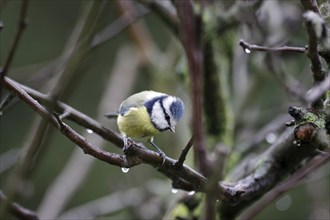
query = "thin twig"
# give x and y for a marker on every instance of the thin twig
(109, 32)
(184, 153)
(19, 31)
(5, 102)
(286, 185)
(17, 210)
(318, 91)
(169, 17)
(252, 47)
(313, 23)
(292, 86)
(78, 165)
(137, 31)
(110, 204)
(76, 50)
(1, 24)
(76, 116)
(117, 26)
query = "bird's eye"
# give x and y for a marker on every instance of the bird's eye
(167, 117)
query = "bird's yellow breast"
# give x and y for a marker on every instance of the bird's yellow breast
(136, 123)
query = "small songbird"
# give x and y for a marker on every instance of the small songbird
(145, 114)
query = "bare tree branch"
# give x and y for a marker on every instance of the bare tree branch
(19, 31)
(184, 153)
(191, 41)
(77, 168)
(168, 16)
(318, 91)
(259, 174)
(276, 163)
(117, 26)
(248, 48)
(314, 24)
(17, 210)
(286, 185)
(136, 155)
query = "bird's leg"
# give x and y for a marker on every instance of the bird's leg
(161, 153)
(127, 143)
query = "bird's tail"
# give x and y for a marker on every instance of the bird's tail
(112, 115)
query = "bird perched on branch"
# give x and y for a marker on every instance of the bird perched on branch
(145, 114)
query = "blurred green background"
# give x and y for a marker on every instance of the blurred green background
(50, 24)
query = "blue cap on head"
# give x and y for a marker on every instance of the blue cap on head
(177, 109)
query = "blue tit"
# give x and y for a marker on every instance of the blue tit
(145, 114)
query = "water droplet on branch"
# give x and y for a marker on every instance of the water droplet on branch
(284, 203)
(89, 131)
(271, 138)
(247, 50)
(124, 169)
(174, 190)
(191, 193)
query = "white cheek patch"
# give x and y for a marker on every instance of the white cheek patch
(167, 102)
(158, 116)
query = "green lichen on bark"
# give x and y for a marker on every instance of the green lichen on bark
(217, 106)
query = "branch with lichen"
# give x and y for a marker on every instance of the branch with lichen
(288, 184)
(280, 160)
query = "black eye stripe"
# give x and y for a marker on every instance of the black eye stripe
(167, 117)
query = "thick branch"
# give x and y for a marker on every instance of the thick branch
(278, 161)
(190, 37)
(218, 115)
(265, 172)
(288, 184)
(184, 178)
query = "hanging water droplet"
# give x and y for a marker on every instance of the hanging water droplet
(191, 193)
(297, 143)
(124, 169)
(0, 113)
(174, 190)
(284, 203)
(247, 50)
(271, 138)
(89, 131)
